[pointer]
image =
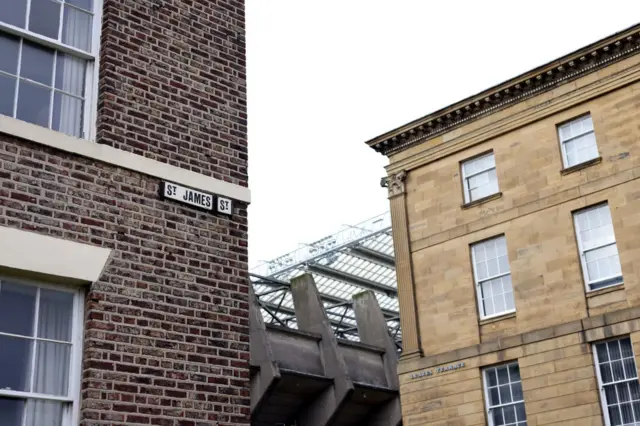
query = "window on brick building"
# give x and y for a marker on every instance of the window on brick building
(493, 277)
(578, 141)
(597, 246)
(40, 331)
(503, 396)
(479, 177)
(618, 380)
(48, 53)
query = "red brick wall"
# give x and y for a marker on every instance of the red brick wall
(166, 331)
(173, 83)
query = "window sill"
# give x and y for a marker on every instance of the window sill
(611, 289)
(119, 158)
(498, 318)
(481, 200)
(581, 166)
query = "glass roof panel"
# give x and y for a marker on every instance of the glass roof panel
(355, 259)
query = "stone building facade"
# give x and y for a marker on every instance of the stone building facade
(516, 216)
(123, 221)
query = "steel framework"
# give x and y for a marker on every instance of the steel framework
(357, 258)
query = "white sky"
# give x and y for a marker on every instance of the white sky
(324, 76)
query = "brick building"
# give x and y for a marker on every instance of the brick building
(123, 225)
(516, 215)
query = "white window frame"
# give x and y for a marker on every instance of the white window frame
(583, 252)
(465, 179)
(71, 416)
(563, 142)
(478, 283)
(92, 72)
(603, 396)
(485, 389)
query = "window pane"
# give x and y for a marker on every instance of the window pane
(9, 50)
(491, 377)
(44, 413)
(33, 104)
(629, 368)
(516, 391)
(603, 354)
(499, 304)
(15, 362)
(614, 415)
(70, 74)
(614, 350)
(627, 413)
(55, 315)
(83, 4)
(623, 392)
(508, 298)
(488, 307)
(8, 90)
(618, 370)
(494, 396)
(498, 418)
(635, 390)
(503, 375)
(45, 18)
(520, 412)
(76, 29)
(17, 308)
(514, 372)
(37, 63)
(509, 414)
(605, 372)
(505, 394)
(610, 394)
(11, 411)
(13, 12)
(67, 114)
(52, 368)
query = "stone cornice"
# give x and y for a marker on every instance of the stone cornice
(540, 80)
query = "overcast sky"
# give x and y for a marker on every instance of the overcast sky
(324, 76)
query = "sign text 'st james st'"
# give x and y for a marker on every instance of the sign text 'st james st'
(197, 198)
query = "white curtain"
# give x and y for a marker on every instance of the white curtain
(77, 33)
(52, 363)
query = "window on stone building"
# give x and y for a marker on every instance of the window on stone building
(597, 245)
(503, 396)
(578, 141)
(479, 177)
(40, 331)
(48, 54)
(493, 277)
(618, 380)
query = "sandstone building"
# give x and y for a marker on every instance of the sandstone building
(123, 230)
(516, 215)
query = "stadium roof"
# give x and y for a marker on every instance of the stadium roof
(357, 258)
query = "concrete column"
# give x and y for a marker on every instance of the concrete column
(312, 317)
(263, 382)
(373, 330)
(411, 347)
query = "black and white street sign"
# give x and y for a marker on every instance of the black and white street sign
(196, 198)
(224, 205)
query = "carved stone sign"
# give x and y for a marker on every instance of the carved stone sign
(426, 373)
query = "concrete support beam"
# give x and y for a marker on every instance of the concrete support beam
(373, 330)
(313, 318)
(263, 382)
